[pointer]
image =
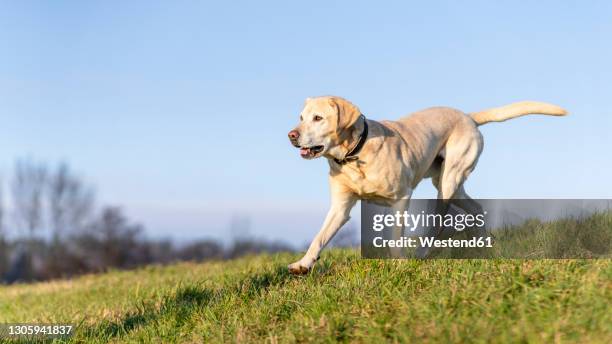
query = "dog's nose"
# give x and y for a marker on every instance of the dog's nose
(294, 134)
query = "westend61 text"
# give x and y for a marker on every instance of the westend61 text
(405, 242)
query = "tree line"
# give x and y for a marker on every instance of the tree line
(52, 227)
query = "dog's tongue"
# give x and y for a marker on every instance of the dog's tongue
(304, 152)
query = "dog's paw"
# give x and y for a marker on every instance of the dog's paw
(298, 269)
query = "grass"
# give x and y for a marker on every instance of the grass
(348, 299)
(573, 237)
(345, 299)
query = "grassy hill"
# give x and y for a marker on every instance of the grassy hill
(344, 299)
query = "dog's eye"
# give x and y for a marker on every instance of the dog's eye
(301, 118)
(317, 118)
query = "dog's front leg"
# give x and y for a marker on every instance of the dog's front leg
(338, 215)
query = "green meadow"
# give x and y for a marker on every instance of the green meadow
(344, 299)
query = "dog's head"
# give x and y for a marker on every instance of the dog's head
(322, 123)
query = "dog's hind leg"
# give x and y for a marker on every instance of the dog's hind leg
(448, 175)
(462, 154)
(470, 206)
(462, 200)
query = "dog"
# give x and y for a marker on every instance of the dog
(384, 161)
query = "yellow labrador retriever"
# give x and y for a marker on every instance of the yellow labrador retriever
(384, 161)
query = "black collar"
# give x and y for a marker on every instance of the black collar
(352, 154)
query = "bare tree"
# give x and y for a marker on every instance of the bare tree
(28, 186)
(2, 211)
(112, 240)
(70, 202)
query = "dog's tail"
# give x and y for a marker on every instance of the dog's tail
(514, 110)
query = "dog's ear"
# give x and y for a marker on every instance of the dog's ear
(348, 113)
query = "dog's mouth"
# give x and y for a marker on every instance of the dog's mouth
(311, 152)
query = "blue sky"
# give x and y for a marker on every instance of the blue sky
(178, 111)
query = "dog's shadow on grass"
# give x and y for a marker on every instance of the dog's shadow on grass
(181, 304)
